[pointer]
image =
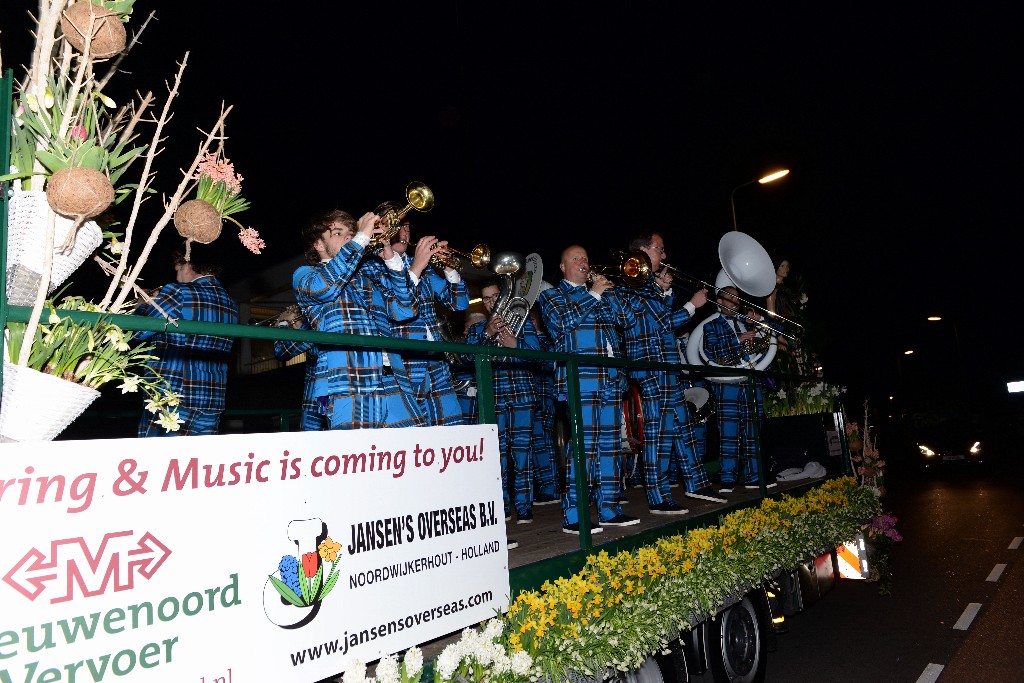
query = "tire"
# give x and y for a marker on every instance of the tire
(649, 672)
(735, 643)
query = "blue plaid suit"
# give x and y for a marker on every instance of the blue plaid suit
(311, 419)
(733, 413)
(581, 323)
(668, 426)
(545, 461)
(515, 405)
(195, 365)
(430, 375)
(352, 384)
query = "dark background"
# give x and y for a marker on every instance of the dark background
(539, 125)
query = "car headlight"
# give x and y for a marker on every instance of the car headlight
(925, 451)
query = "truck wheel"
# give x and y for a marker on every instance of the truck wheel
(735, 645)
(649, 672)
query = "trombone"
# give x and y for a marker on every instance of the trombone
(700, 284)
(634, 270)
(479, 256)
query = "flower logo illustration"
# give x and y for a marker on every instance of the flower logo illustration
(304, 588)
(293, 593)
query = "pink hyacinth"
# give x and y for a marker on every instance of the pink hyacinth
(250, 237)
(222, 170)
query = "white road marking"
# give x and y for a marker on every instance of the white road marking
(1016, 543)
(997, 571)
(930, 673)
(964, 622)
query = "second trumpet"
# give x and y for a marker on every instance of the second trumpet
(479, 256)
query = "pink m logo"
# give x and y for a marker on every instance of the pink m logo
(70, 563)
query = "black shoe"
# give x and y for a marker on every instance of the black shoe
(525, 517)
(707, 493)
(620, 520)
(726, 487)
(574, 528)
(512, 544)
(757, 485)
(667, 508)
(546, 499)
(508, 516)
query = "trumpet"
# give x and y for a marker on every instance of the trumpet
(418, 196)
(479, 256)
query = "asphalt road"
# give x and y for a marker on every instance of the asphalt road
(959, 557)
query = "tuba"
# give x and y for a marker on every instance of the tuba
(746, 266)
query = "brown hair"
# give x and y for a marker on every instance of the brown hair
(317, 225)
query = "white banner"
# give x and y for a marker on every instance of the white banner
(244, 558)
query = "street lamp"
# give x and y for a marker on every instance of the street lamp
(766, 179)
(956, 333)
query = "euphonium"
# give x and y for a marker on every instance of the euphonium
(512, 309)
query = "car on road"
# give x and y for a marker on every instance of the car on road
(937, 452)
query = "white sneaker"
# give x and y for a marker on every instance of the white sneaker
(512, 544)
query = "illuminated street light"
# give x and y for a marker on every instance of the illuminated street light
(766, 179)
(908, 352)
(956, 333)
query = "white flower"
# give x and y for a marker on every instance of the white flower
(387, 670)
(522, 662)
(152, 406)
(413, 663)
(448, 661)
(115, 247)
(355, 672)
(170, 421)
(130, 385)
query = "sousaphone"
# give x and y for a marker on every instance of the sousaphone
(748, 267)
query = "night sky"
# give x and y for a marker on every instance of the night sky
(539, 125)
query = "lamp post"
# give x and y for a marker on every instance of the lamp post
(956, 333)
(766, 179)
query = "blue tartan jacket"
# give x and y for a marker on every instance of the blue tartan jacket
(513, 377)
(579, 322)
(340, 295)
(653, 336)
(720, 341)
(195, 365)
(432, 290)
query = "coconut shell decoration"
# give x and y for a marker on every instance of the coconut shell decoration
(84, 18)
(79, 192)
(197, 221)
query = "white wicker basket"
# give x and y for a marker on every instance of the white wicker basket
(37, 406)
(27, 216)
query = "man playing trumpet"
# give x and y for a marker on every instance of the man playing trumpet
(430, 374)
(585, 321)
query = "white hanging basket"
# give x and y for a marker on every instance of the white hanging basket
(37, 406)
(27, 216)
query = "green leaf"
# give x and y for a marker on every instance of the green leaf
(318, 580)
(304, 585)
(286, 592)
(331, 580)
(51, 162)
